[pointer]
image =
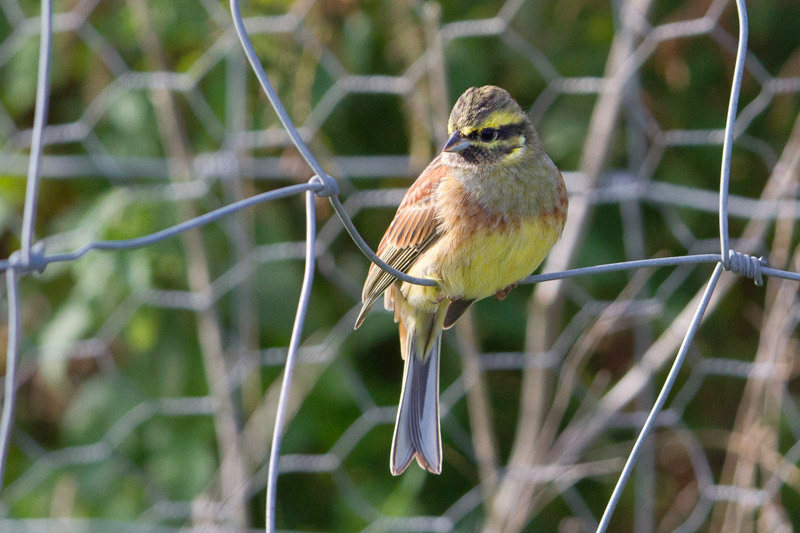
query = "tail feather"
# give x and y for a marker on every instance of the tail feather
(416, 432)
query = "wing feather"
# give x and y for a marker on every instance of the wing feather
(413, 230)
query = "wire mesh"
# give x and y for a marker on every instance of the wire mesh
(572, 435)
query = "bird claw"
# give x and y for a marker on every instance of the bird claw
(501, 294)
(439, 299)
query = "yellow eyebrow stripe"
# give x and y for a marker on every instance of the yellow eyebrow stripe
(497, 120)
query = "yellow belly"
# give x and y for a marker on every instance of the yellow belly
(478, 266)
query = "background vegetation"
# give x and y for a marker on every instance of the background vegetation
(142, 370)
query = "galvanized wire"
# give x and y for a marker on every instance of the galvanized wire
(291, 358)
(39, 120)
(12, 350)
(32, 257)
(666, 388)
(727, 145)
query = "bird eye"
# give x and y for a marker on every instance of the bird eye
(488, 134)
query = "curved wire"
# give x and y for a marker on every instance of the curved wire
(12, 351)
(331, 187)
(625, 265)
(39, 119)
(291, 357)
(325, 185)
(660, 401)
(727, 145)
(272, 96)
(364, 247)
(138, 242)
(26, 237)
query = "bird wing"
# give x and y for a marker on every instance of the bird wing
(414, 229)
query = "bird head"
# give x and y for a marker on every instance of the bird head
(487, 126)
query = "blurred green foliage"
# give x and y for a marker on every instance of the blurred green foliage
(151, 353)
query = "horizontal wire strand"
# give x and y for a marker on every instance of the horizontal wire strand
(32, 258)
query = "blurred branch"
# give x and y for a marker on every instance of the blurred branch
(241, 226)
(615, 317)
(437, 70)
(571, 427)
(511, 506)
(479, 404)
(571, 442)
(255, 439)
(759, 412)
(209, 328)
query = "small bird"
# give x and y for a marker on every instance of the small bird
(480, 217)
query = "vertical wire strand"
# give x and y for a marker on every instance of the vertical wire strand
(272, 96)
(12, 350)
(40, 117)
(291, 357)
(330, 186)
(727, 145)
(660, 401)
(28, 236)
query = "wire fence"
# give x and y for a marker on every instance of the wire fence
(572, 436)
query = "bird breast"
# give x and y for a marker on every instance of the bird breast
(482, 251)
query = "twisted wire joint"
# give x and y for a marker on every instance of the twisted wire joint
(327, 185)
(746, 265)
(36, 260)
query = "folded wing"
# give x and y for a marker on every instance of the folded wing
(414, 229)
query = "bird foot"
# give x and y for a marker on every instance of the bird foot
(501, 294)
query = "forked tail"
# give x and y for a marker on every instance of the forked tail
(416, 431)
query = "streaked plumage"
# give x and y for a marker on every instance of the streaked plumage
(480, 217)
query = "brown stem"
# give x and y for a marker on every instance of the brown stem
(510, 509)
(483, 437)
(209, 329)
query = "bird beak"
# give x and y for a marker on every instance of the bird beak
(456, 143)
